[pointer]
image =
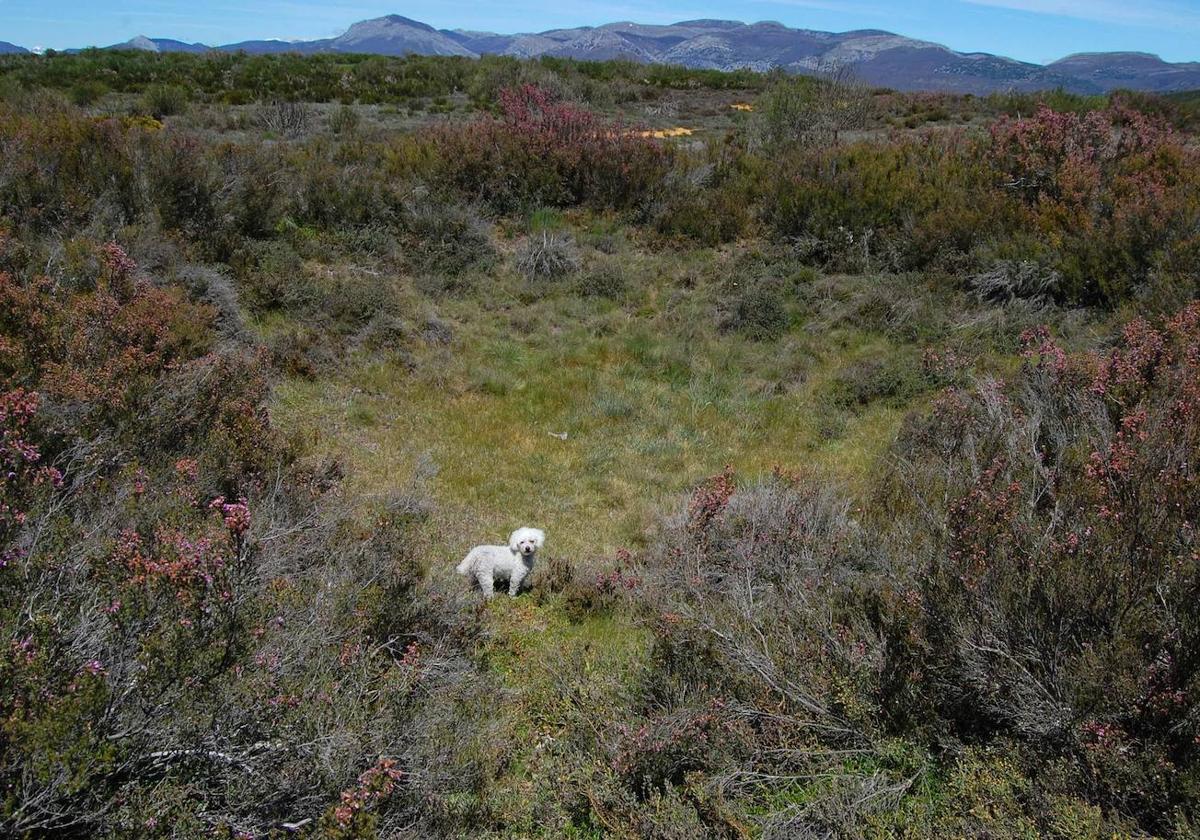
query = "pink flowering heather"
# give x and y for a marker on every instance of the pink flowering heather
(710, 499)
(187, 468)
(551, 152)
(374, 785)
(93, 667)
(116, 262)
(235, 515)
(20, 472)
(1112, 191)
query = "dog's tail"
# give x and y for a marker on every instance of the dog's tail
(464, 568)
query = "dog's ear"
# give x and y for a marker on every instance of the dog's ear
(539, 537)
(513, 538)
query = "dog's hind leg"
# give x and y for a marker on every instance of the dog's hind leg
(486, 582)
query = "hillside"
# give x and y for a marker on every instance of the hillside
(861, 426)
(1135, 71)
(881, 58)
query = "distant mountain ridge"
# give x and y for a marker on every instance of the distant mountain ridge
(1141, 71)
(879, 57)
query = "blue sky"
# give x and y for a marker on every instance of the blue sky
(1033, 30)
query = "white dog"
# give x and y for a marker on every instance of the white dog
(512, 562)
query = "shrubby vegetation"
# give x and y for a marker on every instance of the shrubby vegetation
(267, 367)
(1025, 579)
(238, 78)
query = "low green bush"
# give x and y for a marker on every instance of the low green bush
(161, 101)
(894, 380)
(757, 308)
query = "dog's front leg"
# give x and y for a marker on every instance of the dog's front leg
(514, 581)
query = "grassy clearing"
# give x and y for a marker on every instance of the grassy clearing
(646, 414)
(592, 415)
(651, 399)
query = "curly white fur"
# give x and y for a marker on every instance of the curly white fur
(512, 562)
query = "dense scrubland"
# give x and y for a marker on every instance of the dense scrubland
(864, 428)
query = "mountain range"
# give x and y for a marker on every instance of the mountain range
(878, 57)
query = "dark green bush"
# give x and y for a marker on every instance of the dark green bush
(84, 94)
(271, 276)
(757, 308)
(446, 237)
(604, 279)
(183, 186)
(904, 204)
(161, 101)
(894, 380)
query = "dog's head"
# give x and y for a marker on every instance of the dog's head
(526, 541)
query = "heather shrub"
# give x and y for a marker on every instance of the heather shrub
(709, 205)
(603, 279)
(98, 355)
(757, 308)
(541, 151)
(662, 752)
(1100, 199)
(905, 204)
(254, 189)
(800, 110)
(183, 186)
(188, 608)
(1056, 602)
(338, 187)
(85, 94)
(302, 351)
(57, 166)
(351, 298)
(272, 276)
(1112, 191)
(386, 332)
(1177, 111)
(345, 120)
(766, 667)
(895, 380)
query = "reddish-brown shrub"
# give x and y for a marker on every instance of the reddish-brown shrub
(1059, 602)
(177, 622)
(1106, 202)
(1109, 191)
(543, 152)
(661, 752)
